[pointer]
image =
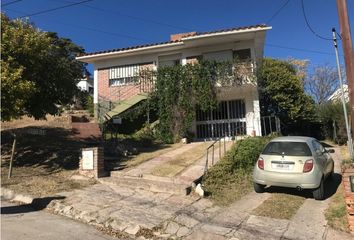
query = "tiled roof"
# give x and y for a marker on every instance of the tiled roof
(171, 42)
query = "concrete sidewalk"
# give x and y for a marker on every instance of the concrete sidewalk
(166, 215)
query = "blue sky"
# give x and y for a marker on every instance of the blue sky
(107, 24)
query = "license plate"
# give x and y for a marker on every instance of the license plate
(282, 166)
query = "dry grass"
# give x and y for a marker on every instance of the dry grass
(43, 165)
(280, 206)
(336, 213)
(181, 161)
(344, 151)
(234, 188)
(50, 121)
(37, 182)
(145, 156)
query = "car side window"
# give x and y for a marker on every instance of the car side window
(314, 145)
(319, 147)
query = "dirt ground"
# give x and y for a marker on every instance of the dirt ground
(46, 156)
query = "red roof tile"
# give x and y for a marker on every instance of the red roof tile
(176, 41)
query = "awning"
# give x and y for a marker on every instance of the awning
(126, 104)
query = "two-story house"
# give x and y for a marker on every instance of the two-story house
(116, 71)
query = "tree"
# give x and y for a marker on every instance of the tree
(331, 115)
(282, 92)
(38, 70)
(300, 66)
(322, 83)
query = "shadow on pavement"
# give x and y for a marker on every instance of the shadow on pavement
(331, 186)
(36, 205)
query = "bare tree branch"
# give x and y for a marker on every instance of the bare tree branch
(322, 82)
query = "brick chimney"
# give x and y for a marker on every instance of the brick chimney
(179, 36)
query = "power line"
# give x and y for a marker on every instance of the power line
(140, 18)
(54, 9)
(277, 12)
(308, 24)
(9, 3)
(137, 38)
(134, 17)
(119, 35)
(298, 49)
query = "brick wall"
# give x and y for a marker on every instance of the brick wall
(179, 36)
(118, 93)
(348, 195)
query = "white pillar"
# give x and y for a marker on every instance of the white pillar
(95, 86)
(95, 92)
(183, 61)
(257, 117)
(253, 122)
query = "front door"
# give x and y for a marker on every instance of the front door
(228, 119)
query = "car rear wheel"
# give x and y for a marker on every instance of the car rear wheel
(258, 188)
(318, 193)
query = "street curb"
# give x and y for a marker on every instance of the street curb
(8, 194)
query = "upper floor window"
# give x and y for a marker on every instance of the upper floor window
(242, 54)
(124, 75)
(194, 59)
(219, 56)
(169, 60)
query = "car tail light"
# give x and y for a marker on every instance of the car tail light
(260, 163)
(308, 165)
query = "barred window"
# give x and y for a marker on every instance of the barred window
(123, 75)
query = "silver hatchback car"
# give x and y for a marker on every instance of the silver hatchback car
(294, 162)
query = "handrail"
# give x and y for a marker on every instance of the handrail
(213, 149)
(213, 152)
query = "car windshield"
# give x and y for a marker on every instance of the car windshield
(287, 148)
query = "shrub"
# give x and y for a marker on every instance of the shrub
(241, 157)
(331, 115)
(234, 170)
(89, 105)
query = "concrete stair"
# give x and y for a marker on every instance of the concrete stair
(140, 177)
(148, 183)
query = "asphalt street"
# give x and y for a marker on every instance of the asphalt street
(25, 223)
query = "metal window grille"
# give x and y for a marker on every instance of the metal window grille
(228, 119)
(123, 75)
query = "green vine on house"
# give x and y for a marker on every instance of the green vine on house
(181, 89)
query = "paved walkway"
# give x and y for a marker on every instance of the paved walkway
(141, 176)
(170, 215)
(310, 222)
(146, 167)
(131, 209)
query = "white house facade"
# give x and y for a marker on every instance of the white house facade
(85, 84)
(115, 71)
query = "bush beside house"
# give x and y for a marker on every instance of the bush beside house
(231, 177)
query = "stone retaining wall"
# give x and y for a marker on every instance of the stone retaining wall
(348, 195)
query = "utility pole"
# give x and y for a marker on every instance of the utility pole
(348, 52)
(347, 126)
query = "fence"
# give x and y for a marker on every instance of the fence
(270, 125)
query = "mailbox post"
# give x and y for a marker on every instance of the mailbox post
(92, 163)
